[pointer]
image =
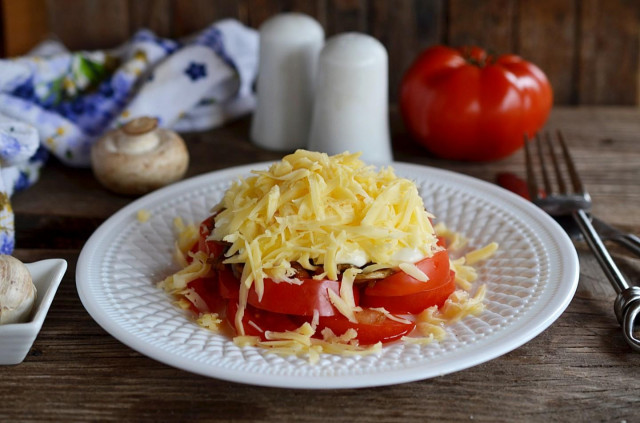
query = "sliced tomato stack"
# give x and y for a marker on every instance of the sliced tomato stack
(402, 293)
(285, 306)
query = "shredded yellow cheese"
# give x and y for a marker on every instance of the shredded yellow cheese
(343, 307)
(195, 299)
(481, 254)
(300, 343)
(431, 322)
(465, 275)
(455, 241)
(143, 215)
(187, 238)
(461, 304)
(325, 209)
(323, 212)
(412, 270)
(210, 321)
(197, 269)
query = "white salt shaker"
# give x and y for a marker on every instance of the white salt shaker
(290, 44)
(351, 103)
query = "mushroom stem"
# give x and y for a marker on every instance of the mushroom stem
(138, 136)
(137, 144)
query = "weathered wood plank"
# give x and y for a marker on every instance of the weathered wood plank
(151, 14)
(553, 24)
(485, 24)
(579, 369)
(258, 11)
(24, 24)
(609, 52)
(405, 28)
(90, 24)
(429, 22)
(47, 231)
(346, 15)
(590, 49)
(314, 8)
(194, 15)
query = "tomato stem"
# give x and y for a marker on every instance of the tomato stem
(476, 56)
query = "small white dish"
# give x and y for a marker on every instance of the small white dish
(16, 338)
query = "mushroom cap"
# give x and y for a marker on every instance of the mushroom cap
(17, 291)
(139, 158)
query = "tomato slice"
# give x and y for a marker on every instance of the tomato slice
(435, 267)
(256, 322)
(416, 302)
(372, 327)
(299, 300)
(209, 247)
(228, 285)
(207, 289)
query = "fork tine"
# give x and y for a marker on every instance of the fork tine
(543, 167)
(532, 185)
(556, 165)
(575, 178)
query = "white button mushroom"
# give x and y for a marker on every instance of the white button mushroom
(17, 291)
(139, 157)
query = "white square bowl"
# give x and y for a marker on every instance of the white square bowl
(16, 338)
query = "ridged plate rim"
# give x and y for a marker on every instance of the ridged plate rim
(554, 286)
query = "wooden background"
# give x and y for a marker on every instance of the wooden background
(588, 48)
(578, 370)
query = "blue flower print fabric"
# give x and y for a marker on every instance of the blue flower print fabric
(72, 98)
(19, 167)
(53, 101)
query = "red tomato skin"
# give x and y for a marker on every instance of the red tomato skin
(207, 289)
(462, 111)
(210, 248)
(299, 300)
(386, 331)
(265, 320)
(412, 303)
(435, 267)
(516, 184)
(228, 285)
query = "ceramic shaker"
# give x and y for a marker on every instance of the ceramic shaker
(351, 102)
(290, 44)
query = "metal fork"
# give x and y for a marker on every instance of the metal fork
(575, 201)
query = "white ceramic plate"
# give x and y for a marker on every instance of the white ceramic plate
(530, 281)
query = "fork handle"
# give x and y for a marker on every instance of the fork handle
(600, 251)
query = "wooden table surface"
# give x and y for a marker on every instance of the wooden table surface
(579, 369)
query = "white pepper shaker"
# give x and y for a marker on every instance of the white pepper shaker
(351, 103)
(290, 44)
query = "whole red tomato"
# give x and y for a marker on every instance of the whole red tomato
(463, 104)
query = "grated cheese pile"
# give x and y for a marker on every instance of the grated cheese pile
(320, 210)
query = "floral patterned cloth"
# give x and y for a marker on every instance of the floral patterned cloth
(72, 98)
(20, 163)
(60, 102)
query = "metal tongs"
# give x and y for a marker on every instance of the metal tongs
(576, 202)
